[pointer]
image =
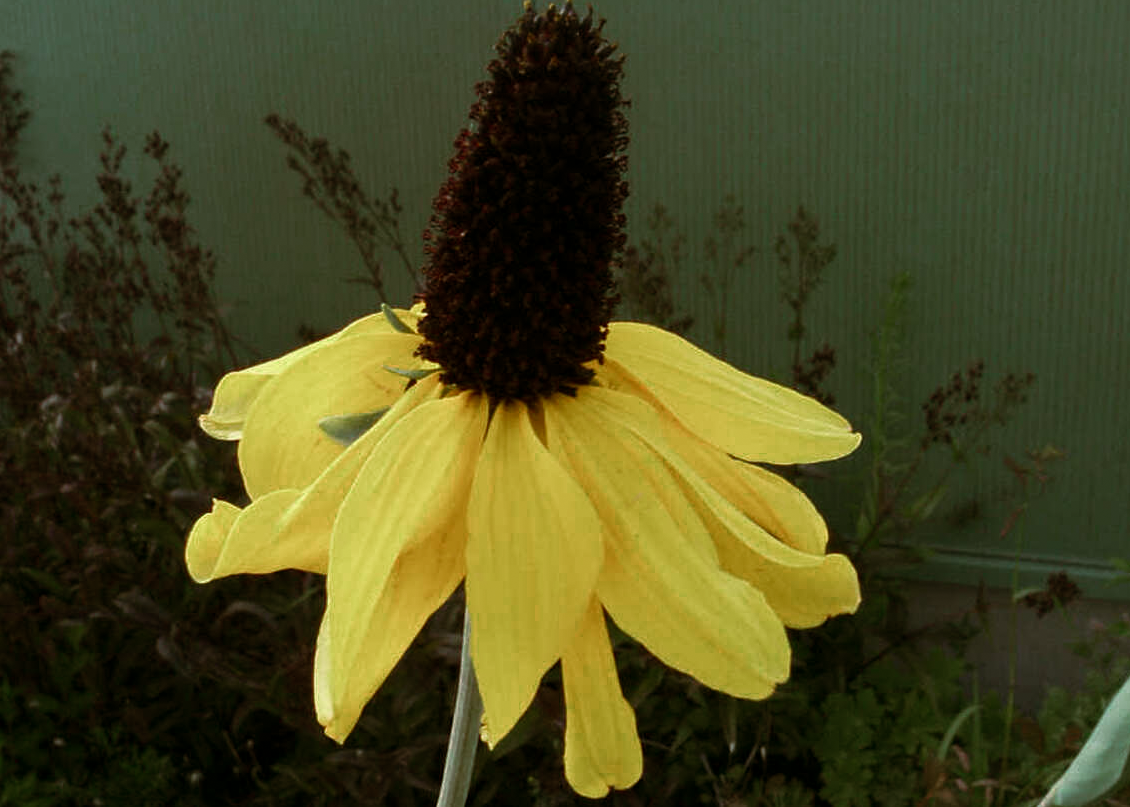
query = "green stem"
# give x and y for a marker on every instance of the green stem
(460, 762)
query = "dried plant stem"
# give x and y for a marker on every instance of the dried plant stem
(460, 762)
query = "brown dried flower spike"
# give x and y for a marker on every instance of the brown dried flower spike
(519, 280)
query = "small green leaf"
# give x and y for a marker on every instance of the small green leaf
(415, 375)
(396, 322)
(1103, 764)
(345, 429)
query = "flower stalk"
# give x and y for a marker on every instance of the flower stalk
(460, 762)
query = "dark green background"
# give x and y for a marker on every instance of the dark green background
(980, 144)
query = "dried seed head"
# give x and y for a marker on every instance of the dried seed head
(524, 230)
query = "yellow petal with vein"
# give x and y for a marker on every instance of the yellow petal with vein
(779, 507)
(746, 416)
(661, 580)
(420, 581)
(282, 445)
(602, 747)
(631, 414)
(315, 511)
(533, 555)
(232, 541)
(238, 390)
(405, 509)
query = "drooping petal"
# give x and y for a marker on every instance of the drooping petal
(801, 585)
(289, 528)
(661, 580)
(282, 445)
(802, 598)
(746, 416)
(602, 746)
(237, 390)
(533, 555)
(397, 534)
(632, 414)
(232, 541)
(779, 507)
(316, 510)
(420, 581)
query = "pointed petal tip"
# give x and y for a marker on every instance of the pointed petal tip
(746, 416)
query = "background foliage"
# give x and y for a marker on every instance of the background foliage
(121, 682)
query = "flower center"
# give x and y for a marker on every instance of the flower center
(525, 229)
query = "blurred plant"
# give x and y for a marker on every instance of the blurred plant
(644, 275)
(110, 337)
(802, 269)
(328, 180)
(728, 256)
(954, 416)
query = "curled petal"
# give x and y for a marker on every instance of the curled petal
(746, 416)
(401, 523)
(238, 390)
(289, 528)
(533, 555)
(602, 747)
(283, 445)
(230, 541)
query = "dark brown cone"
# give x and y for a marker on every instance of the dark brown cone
(524, 230)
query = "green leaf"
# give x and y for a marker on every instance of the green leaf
(345, 429)
(415, 375)
(1102, 765)
(396, 322)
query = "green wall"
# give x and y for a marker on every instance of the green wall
(979, 144)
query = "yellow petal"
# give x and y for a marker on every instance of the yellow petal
(315, 511)
(290, 529)
(533, 556)
(801, 585)
(206, 540)
(238, 390)
(602, 747)
(232, 541)
(405, 510)
(631, 414)
(419, 582)
(661, 579)
(777, 506)
(746, 416)
(282, 445)
(802, 598)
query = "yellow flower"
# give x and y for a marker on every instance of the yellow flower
(560, 466)
(620, 498)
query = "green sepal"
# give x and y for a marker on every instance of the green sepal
(344, 429)
(1103, 764)
(415, 375)
(396, 322)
